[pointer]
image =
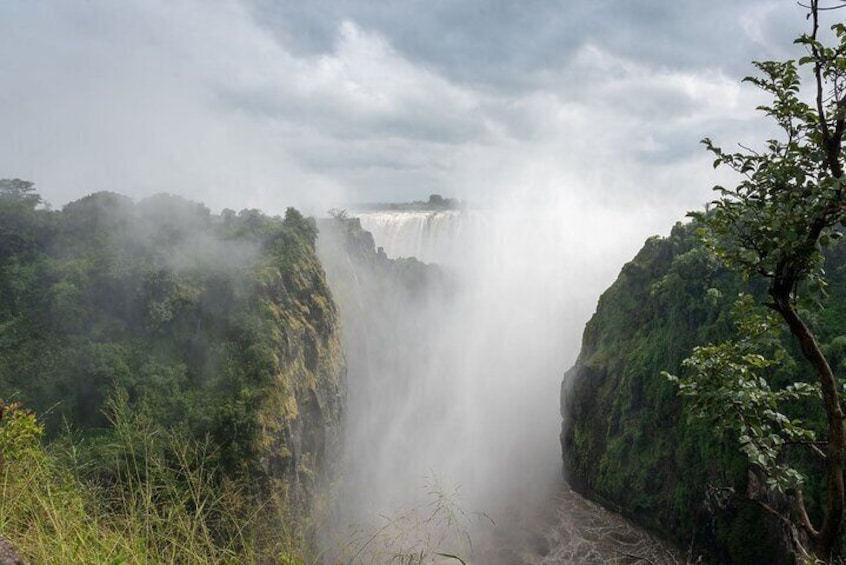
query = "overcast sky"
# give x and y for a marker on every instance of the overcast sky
(268, 103)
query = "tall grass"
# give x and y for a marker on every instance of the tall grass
(434, 532)
(141, 495)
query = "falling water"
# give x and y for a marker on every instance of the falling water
(430, 236)
(457, 395)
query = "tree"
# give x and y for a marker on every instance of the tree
(19, 190)
(20, 228)
(775, 224)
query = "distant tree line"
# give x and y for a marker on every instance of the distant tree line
(436, 202)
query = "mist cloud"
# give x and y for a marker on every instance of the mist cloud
(269, 104)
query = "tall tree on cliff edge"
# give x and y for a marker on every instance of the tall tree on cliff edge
(787, 208)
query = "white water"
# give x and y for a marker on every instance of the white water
(430, 236)
(464, 392)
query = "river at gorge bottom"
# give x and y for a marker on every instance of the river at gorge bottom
(575, 531)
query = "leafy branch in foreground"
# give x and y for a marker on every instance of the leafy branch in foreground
(786, 209)
(730, 385)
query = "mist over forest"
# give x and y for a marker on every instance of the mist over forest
(338, 283)
(324, 385)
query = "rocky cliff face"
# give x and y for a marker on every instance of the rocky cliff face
(625, 440)
(300, 412)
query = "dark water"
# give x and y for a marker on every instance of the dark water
(586, 533)
(572, 530)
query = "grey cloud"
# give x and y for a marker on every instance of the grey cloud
(426, 123)
(512, 44)
(270, 103)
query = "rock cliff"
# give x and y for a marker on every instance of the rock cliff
(625, 439)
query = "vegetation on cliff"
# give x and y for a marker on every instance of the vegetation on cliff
(756, 473)
(774, 225)
(625, 437)
(218, 332)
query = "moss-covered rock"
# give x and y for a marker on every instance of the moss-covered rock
(625, 439)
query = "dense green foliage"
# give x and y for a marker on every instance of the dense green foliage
(625, 439)
(768, 383)
(786, 209)
(215, 328)
(164, 506)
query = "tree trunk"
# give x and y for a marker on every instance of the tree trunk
(826, 537)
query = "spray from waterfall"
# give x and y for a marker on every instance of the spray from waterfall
(457, 383)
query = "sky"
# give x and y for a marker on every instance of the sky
(322, 103)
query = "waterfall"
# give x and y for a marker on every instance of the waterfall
(461, 388)
(430, 236)
(458, 388)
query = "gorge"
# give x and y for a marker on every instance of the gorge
(625, 440)
(468, 403)
(373, 406)
(423, 406)
(231, 333)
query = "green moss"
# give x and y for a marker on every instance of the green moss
(626, 440)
